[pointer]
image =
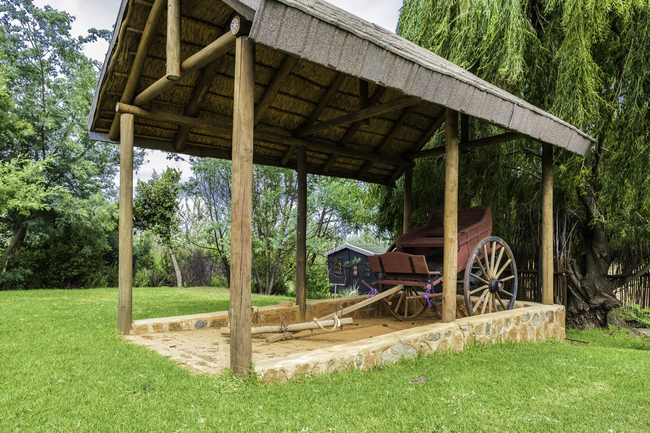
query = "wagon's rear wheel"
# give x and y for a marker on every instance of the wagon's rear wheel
(490, 282)
(407, 309)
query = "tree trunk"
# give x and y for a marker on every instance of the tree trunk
(177, 270)
(591, 293)
(226, 266)
(20, 231)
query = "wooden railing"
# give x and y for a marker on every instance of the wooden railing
(637, 290)
(529, 288)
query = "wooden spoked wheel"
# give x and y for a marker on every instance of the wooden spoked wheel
(490, 282)
(407, 309)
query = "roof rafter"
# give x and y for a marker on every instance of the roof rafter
(367, 113)
(422, 141)
(194, 106)
(389, 136)
(481, 142)
(315, 145)
(274, 86)
(352, 129)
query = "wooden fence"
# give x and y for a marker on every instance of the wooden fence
(529, 288)
(637, 291)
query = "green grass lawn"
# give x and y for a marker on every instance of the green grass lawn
(63, 367)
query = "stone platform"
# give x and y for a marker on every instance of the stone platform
(375, 339)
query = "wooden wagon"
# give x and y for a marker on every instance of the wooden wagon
(486, 274)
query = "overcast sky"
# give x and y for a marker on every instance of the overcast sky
(101, 14)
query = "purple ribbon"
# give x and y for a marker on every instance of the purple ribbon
(372, 293)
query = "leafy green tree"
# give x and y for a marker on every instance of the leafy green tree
(335, 209)
(155, 208)
(46, 87)
(586, 62)
(22, 192)
(206, 214)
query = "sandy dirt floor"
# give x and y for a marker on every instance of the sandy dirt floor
(207, 351)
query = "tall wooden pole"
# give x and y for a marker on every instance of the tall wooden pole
(301, 235)
(125, 272)
(173, 40)
(241, 249)
(547, 224)
(450, 252)
(408, 198)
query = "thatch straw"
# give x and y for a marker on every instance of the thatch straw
(203, 21)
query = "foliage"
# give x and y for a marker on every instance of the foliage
(65, 236)
(22, 187)
(71, 336)
(156, 204)
(335, 208)
(633, 312)
(584, 61)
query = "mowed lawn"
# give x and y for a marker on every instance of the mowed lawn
(64, 368)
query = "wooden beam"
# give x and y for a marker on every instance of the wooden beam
(289, 153)
(422, 141)
(450, 248)
(292, 327)
(301, 235)
(194, 106)
(173, 40)
(311, 144)
(331, 90)
(138, 63)
(388, 137)
(207, 151)
(125, 273)
(364, 101)
(274, 86)
(212, 52)
(408, 199)
(174, 119)
(352, 129)
(547, 224)
(481, 142)
(241, 221)
(374, 111)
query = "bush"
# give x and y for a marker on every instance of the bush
(633, 312)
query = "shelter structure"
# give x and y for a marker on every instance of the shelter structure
(304, 85)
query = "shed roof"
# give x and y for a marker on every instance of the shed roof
(365, 248)
(315, 65)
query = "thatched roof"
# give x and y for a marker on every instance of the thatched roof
(325, 59)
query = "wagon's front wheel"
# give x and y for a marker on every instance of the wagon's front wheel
(407, 304)
(490, 282)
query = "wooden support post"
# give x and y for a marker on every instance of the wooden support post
(241, 226)
(547, 224)
(450, 252)
(173, 40)
(125, 273)
(408, 199)
(301, 235)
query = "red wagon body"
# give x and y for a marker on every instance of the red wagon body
(416, 260)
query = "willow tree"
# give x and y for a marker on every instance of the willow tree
(587, 62)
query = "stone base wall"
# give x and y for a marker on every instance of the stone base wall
(532, 322)
(284, 313)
